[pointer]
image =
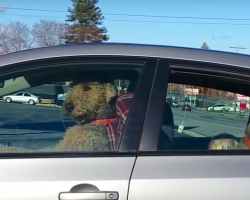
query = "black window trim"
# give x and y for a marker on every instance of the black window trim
(19, 93)
(153, 119)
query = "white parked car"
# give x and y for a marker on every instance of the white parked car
(218, 107)
(22, 97)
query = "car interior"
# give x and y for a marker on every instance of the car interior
(221, 80)
(17, 81)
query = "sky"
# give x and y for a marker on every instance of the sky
(174, 27)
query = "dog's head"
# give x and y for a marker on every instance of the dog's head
(87, 101)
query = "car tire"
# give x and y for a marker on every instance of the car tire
(31, 102)
(8, 100)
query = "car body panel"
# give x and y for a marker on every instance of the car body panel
(190, 177)
(132, 50)
(45, 178)
(48, 174)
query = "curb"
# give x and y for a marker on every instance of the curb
(43, 104)
(46, 105)
(192, 134)
(189, 133)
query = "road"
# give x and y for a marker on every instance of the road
(31, 126)
(210, 124)
(38, 126)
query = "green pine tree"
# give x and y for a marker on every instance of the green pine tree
(86, 22)
(205, 46)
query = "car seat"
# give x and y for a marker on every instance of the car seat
(115, 129)
(165, 141)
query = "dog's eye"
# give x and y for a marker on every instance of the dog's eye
(86, 88)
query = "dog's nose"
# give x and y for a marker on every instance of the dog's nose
(69, 107)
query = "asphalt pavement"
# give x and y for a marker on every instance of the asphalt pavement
(31, 126)
(209, 124)
(36, 127)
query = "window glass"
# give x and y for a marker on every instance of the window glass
(26, 95)
(19, 94)
(73, 115)
(212, 113)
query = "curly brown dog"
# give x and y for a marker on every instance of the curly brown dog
(85, 102)
(89, 101)
(228, 141)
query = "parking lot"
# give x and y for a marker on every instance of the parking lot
(39, 126)
(210, 123)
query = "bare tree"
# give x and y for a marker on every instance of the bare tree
(49, 32)
(15, 36)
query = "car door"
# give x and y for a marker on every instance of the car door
(26, 97)
(184, 168)
(220, 107)
(217, 107)
(71, 174)
(17, 97)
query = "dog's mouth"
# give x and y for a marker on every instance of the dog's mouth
(83, 119)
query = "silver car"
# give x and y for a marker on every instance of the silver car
(153, 161)
(22, 97)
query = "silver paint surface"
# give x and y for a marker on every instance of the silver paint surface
(45, 178)
(134, 50)
(190, 178)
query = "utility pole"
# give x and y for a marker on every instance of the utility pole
(238, 48)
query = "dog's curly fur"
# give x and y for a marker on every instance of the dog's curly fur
(86, 101)
(84, 138)
(226, 142)
(90, 101)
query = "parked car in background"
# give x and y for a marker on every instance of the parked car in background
(175, 104)
(218, 107)
(169, 101)
(22, 97)
(186, 107)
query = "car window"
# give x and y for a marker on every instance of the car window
(79, 111)
(19, 94)
(208, 117)
(27, 95)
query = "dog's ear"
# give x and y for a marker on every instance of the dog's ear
(110, 92)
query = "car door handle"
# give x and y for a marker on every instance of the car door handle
(89, 196)
(88, 192)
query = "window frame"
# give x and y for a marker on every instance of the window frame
(28, 95)
(150, 138)
(19, 95)
(131, 137)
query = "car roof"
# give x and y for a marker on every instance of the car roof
(127, 49)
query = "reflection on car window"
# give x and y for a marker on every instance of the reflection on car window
(204, 113)
(65, 116)
(26, 95)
